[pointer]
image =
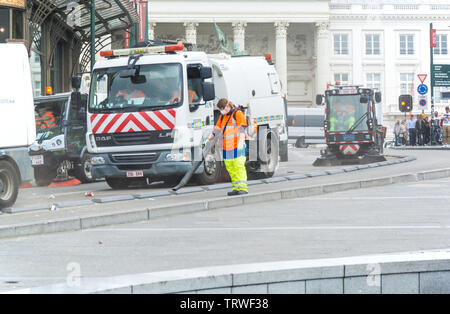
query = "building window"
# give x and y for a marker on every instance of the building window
(407, 84)
(342, 78)
(441, 45)
(407, 44)
(373, 80)
(437, 95)
(340, 44)
(372, 44)
(37, 88)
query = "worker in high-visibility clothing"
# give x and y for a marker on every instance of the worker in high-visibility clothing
(231, 126)
(130, 92)
(45, 119)
(349, 117)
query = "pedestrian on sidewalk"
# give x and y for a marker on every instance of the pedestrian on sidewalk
(446, 126)
(403, 133)
(420, 127)
(231, 126)
(427, 131)
(412, 130)
(397, 133)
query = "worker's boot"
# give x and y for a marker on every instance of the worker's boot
(234, 192)
(242, 192)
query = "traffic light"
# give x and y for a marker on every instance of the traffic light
(405, 103)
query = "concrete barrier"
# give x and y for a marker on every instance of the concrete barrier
(415, 273)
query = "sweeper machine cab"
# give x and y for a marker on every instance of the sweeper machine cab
(351, 126)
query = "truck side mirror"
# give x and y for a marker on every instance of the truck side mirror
(208, 91)
(364, 99)
(319, 100)
(378, 97)
(76, 82)
(75, 101)
(205, 73)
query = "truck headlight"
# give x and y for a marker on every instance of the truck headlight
(185, 156)
(98, 160)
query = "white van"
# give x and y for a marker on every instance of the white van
(305, 126)
(17, 123)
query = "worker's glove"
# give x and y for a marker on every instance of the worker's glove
(205, 143)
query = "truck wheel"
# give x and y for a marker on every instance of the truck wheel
(212, 170)
(44, 175)
(268, 152)
(118, 183)
(83, 172)
(301, 143)
(9, 184)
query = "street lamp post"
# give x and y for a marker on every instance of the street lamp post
(92, 34)
(432, 45)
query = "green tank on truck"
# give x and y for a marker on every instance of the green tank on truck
(60, 147)
(16, 122)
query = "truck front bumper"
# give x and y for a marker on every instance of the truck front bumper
(159, 168)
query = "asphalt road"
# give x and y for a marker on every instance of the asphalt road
(396, 218)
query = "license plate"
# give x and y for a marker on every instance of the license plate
(135, 174)
(349, 137)
(37, 160)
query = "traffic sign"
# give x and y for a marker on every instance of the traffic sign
(422, 89)
(422, 77)
(441, 75)
(423, 102)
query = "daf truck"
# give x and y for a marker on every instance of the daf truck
(150, 110)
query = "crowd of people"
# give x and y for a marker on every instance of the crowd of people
(419, 130)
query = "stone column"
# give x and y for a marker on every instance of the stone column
(281, 53)
(239, 34)
(191, 32)
(151, 30)
(323, 57)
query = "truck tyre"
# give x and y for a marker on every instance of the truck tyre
(9, 184)
(212, 170)
(118, 183)
(83, 172)
(44, 175)
(301, 143)
(268, 152)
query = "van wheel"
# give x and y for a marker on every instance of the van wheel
(301, 143)
(118, 183)
(44, 175)
(83, 172)
(9, 184)
(212, 170)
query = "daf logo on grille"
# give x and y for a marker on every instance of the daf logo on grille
(103, 138)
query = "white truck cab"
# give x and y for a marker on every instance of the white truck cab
(150, 110)
(17, 124)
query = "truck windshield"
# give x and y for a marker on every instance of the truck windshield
(48, 116)
(344, 111)
(154, 87)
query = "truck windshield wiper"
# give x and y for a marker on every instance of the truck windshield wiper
(358, 122)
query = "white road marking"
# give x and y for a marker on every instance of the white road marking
(275, 228)
(373, 198)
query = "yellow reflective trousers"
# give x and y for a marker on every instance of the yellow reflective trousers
(238, 174)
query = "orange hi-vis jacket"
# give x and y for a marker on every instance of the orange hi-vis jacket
(191, 95)
(46, 121)
(136, 94)
(231, 126)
